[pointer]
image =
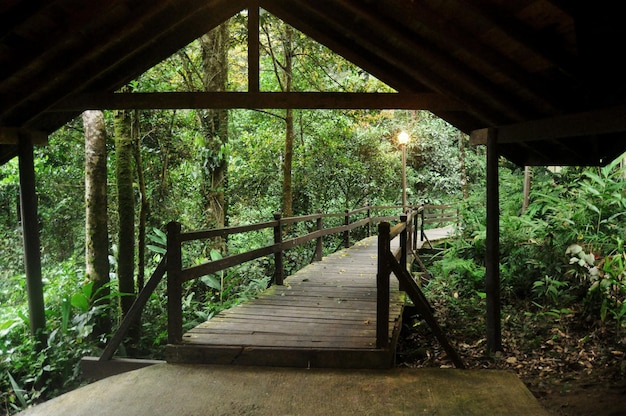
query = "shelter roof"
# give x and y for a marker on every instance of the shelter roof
(545, 73)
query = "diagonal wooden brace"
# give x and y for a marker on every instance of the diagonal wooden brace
(423, 307)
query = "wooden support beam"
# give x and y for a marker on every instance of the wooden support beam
(253, 47)
(492, 261)
(13, 135)
(32, 250)
(608, 120)
(233, 100)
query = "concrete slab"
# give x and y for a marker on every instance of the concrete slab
(177, 389)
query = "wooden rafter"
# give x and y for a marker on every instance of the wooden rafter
(606, 121)
(231, 100)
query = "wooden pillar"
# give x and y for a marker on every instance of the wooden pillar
(279, 272)
(492, 275)
(174, 284)
(253, 48)
(526, 189)
(32, 251)
(382, 287)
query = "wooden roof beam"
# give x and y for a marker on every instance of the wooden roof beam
(437, 27)
(13, 135)
(232, 100)
(408, 46)
(605, 121)
(194, 24)
(433, 81)
(521, 34)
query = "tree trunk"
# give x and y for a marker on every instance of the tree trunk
(289, 133)
(214, 47)
(144, 205)
(126, 209)
(96, 219)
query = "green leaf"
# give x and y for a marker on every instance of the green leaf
(156, 249)
(215, 255)
(19, 392)
(87, 290)
(212, 282)
(80, 301)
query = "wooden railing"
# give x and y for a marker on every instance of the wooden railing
(411, 226)
(440, 215)
(388, 263)
(177, 274)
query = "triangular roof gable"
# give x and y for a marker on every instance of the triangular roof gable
(505, 62)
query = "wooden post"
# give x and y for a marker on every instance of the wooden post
(526, 189)
(279, 272)
(174, 284)
(422, 233)
(369, 222)
(319, 243)
(403, 246)
(346, 234)
(492, 261)
(32, 251)
(404, 240)
(382, 287)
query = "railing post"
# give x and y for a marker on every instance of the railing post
(174, 284)
(279, 272)
(382, 286)
(346, 234)
(422, 233)
(318, 245)
(369, 220)
(404, 240)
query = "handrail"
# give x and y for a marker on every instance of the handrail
(408, 225)
(437, 214)
(177, 275)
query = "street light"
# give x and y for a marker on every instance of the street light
(403, 139)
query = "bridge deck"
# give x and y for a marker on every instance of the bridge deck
(324, 316)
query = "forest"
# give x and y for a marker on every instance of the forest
(109, 182)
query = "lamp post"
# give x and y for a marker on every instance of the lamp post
(403, 139)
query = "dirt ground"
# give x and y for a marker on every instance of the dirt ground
(572, 369)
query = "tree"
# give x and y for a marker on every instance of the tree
(96, 219)
(214, 47)
(283, 71)
(126, 208)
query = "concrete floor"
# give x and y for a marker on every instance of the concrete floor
(176, 389)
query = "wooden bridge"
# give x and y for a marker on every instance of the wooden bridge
(341, 311)
(322, 316)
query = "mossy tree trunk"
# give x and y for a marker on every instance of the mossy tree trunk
(96, 219)
(214, 46)
(126, 208)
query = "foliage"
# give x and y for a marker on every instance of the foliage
(29, 376)
(565, 249)
(342, 159)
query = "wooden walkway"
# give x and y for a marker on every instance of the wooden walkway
(324, 316)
